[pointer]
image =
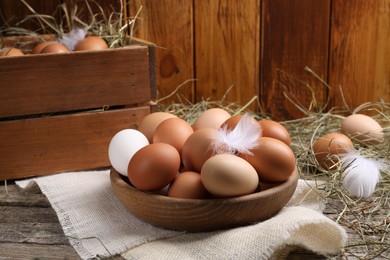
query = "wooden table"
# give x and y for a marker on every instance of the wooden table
(29, 228)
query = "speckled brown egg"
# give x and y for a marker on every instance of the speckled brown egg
(173, 131)
(154, 166)
(55, 48)
(10, 52)
(197, 149)
(91, 43)
(188, 185)
(327, 147)
(273, 160)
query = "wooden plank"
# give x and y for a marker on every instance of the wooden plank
(22, 251)
(295, 34)
(32, 232)
(13, 196)
(170, 27)
(73, 81)
(29, 228)
(227, 38)
(47, 145)
(360, 52)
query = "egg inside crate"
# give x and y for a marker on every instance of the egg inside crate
(39, 47)
(91, 43)
(55, 47)
(123, 146)
(10, 52)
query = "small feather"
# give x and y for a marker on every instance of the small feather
(71, 39)
(239, 140)
(361, 175)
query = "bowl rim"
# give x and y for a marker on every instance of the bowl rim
(117, 179)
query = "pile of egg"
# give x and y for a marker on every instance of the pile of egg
(361, 128)
(169, 156)
(88, 43)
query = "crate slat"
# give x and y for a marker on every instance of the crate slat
(37, 84)
(46, 145)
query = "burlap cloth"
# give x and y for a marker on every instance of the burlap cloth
(97, 225)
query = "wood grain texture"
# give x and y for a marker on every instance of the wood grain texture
(227, 38)
(295, 34)
(54, 144)
(169, 25)
(262, 46)
(74, 81)
(24, 251)
(360, 52)
(29, 227)
(13, 247)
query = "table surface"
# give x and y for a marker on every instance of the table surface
(29, 228)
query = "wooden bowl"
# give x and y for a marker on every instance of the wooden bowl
(196, 215)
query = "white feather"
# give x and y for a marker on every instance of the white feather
(361, 175)
(239, 140)
(71, 39)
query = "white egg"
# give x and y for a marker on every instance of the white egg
(123, 146)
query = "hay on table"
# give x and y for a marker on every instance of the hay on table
(367, 221)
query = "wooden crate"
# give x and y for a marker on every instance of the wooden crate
(58, 112)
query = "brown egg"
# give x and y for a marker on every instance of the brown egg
(273, 160)
(150, 122)
(38, 48)
(363, 129)
(275, 130)
(154, 166)
(91, 43)
(227, 175)
(233, 121)
(55, 48)
(197, 149)
(173, 131)
(327, 147)
(211, 118)
(10, 52)
(188, 185)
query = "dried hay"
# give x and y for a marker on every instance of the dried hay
(114, 26)
(367, 221)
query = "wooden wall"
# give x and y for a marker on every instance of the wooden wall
(262, 48)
